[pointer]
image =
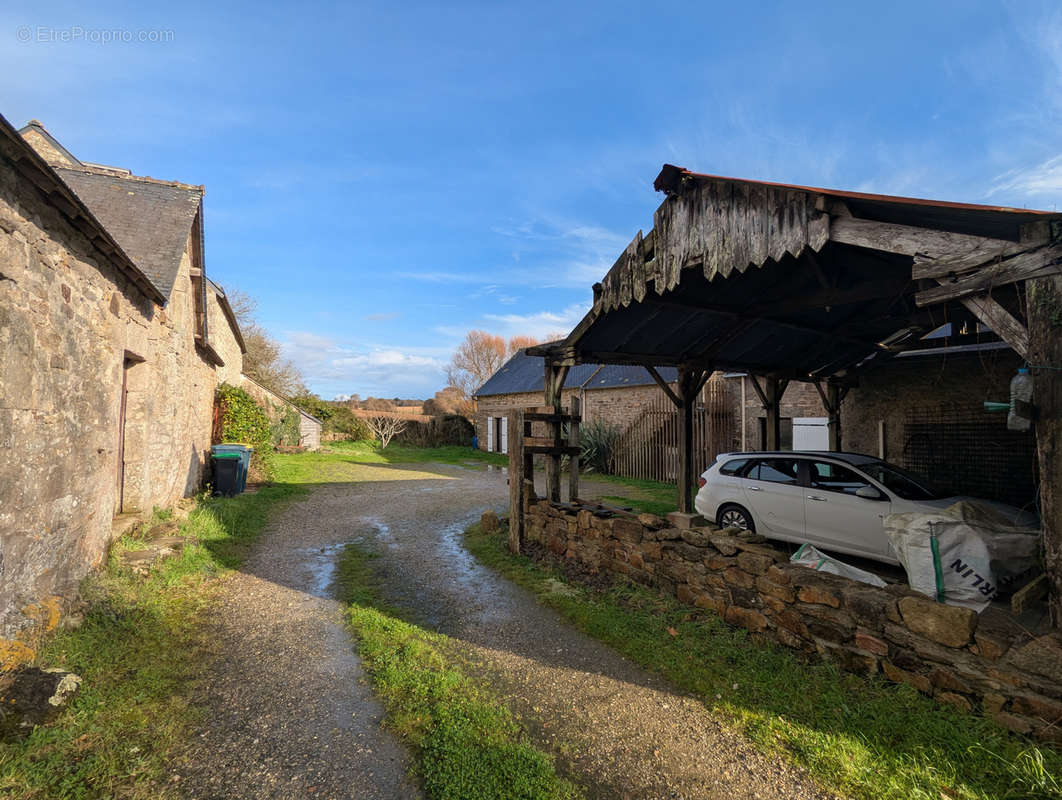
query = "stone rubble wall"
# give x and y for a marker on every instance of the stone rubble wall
(940, 650)
(68, 317)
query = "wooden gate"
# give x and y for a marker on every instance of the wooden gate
(649, 448)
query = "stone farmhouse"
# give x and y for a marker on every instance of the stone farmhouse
(113, 341)
(614, 394)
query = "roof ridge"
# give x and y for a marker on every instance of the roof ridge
(102, 169)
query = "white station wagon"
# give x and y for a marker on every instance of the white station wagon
(836, 501)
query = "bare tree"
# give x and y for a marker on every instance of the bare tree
(518, 343)
(384, 429)
(477, 358)
(263, 361)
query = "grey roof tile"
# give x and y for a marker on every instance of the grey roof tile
(524, 373)
(149, 219)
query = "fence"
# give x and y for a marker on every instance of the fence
(649, 448)
(967, 451)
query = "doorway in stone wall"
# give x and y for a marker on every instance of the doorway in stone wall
(128, 364)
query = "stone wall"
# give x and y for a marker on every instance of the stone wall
(886, 394)
(617, 406)
(970, 662)
(70, 325)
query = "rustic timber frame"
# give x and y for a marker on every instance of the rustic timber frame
(800, 283)
(523, 447)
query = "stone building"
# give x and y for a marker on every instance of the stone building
(613, 394)
(112, 341)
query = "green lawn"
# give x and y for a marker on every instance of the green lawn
(864, 737)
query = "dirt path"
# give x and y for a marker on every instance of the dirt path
(291, 713)
(622, 731)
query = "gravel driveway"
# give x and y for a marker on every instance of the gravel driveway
(296, 715)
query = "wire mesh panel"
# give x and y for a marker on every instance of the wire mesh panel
(962, 449)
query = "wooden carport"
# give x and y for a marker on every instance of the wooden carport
(807, 284)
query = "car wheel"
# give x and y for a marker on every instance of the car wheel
(733, 516)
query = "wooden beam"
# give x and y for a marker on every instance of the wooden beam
(516, 480)
(759, 390)
(1044, 298)
(573, 441)
(937, 253)
(663, 385)
(688, 383)
(1001, 321)
(1040, 263)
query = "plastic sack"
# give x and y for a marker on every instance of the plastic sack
(808, 556)
(963, 554)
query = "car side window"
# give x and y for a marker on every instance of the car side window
(775, 470)
(733, 467)
(835, 478)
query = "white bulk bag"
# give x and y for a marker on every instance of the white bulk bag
(808, 556)
(962, 554)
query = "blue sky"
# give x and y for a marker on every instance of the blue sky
(385, 177)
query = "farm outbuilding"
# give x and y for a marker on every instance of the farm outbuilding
(857, 296)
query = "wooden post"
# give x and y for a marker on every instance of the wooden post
(774, 419)
(685, 475)
(554, 384)
(1044, 301)
(690, 383)
(516, 480)
(573, 440)
(832, 399)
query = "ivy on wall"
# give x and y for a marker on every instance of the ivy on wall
(243, 421)
(286, 431)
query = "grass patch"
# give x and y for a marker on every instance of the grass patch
(864, 737)
(137, 650)
(346, 462)
(468, 744)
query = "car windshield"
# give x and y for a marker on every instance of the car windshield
(901, 482)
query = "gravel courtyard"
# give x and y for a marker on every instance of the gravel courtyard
(293, 715)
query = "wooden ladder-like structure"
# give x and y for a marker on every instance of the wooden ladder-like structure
(557, 443)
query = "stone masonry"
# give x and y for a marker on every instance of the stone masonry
(72, 321)
(947, 652)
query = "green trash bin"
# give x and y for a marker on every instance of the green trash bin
(226, 473)
(244, 452)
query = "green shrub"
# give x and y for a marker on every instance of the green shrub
(598, 441)
(286, 431)
(243, 421)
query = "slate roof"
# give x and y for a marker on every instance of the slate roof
(524, 373)
(149, 219)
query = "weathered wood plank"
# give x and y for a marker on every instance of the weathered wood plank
(516, 481)
(1044, 299)
(1001, 321)
(1040, 263)
(937, 253)
(573, 441)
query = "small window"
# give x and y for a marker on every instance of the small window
(776, 470)
(734, 467)
(835, 478)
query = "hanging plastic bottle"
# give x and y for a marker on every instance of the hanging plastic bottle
(1021, 388)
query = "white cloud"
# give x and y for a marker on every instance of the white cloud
(539, 324)
(1043, 179)
(331, 367)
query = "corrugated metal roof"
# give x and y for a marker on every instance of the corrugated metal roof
(149, 219)
(524, 373)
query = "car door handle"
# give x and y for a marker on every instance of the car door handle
(754, 488)
(816, 497)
